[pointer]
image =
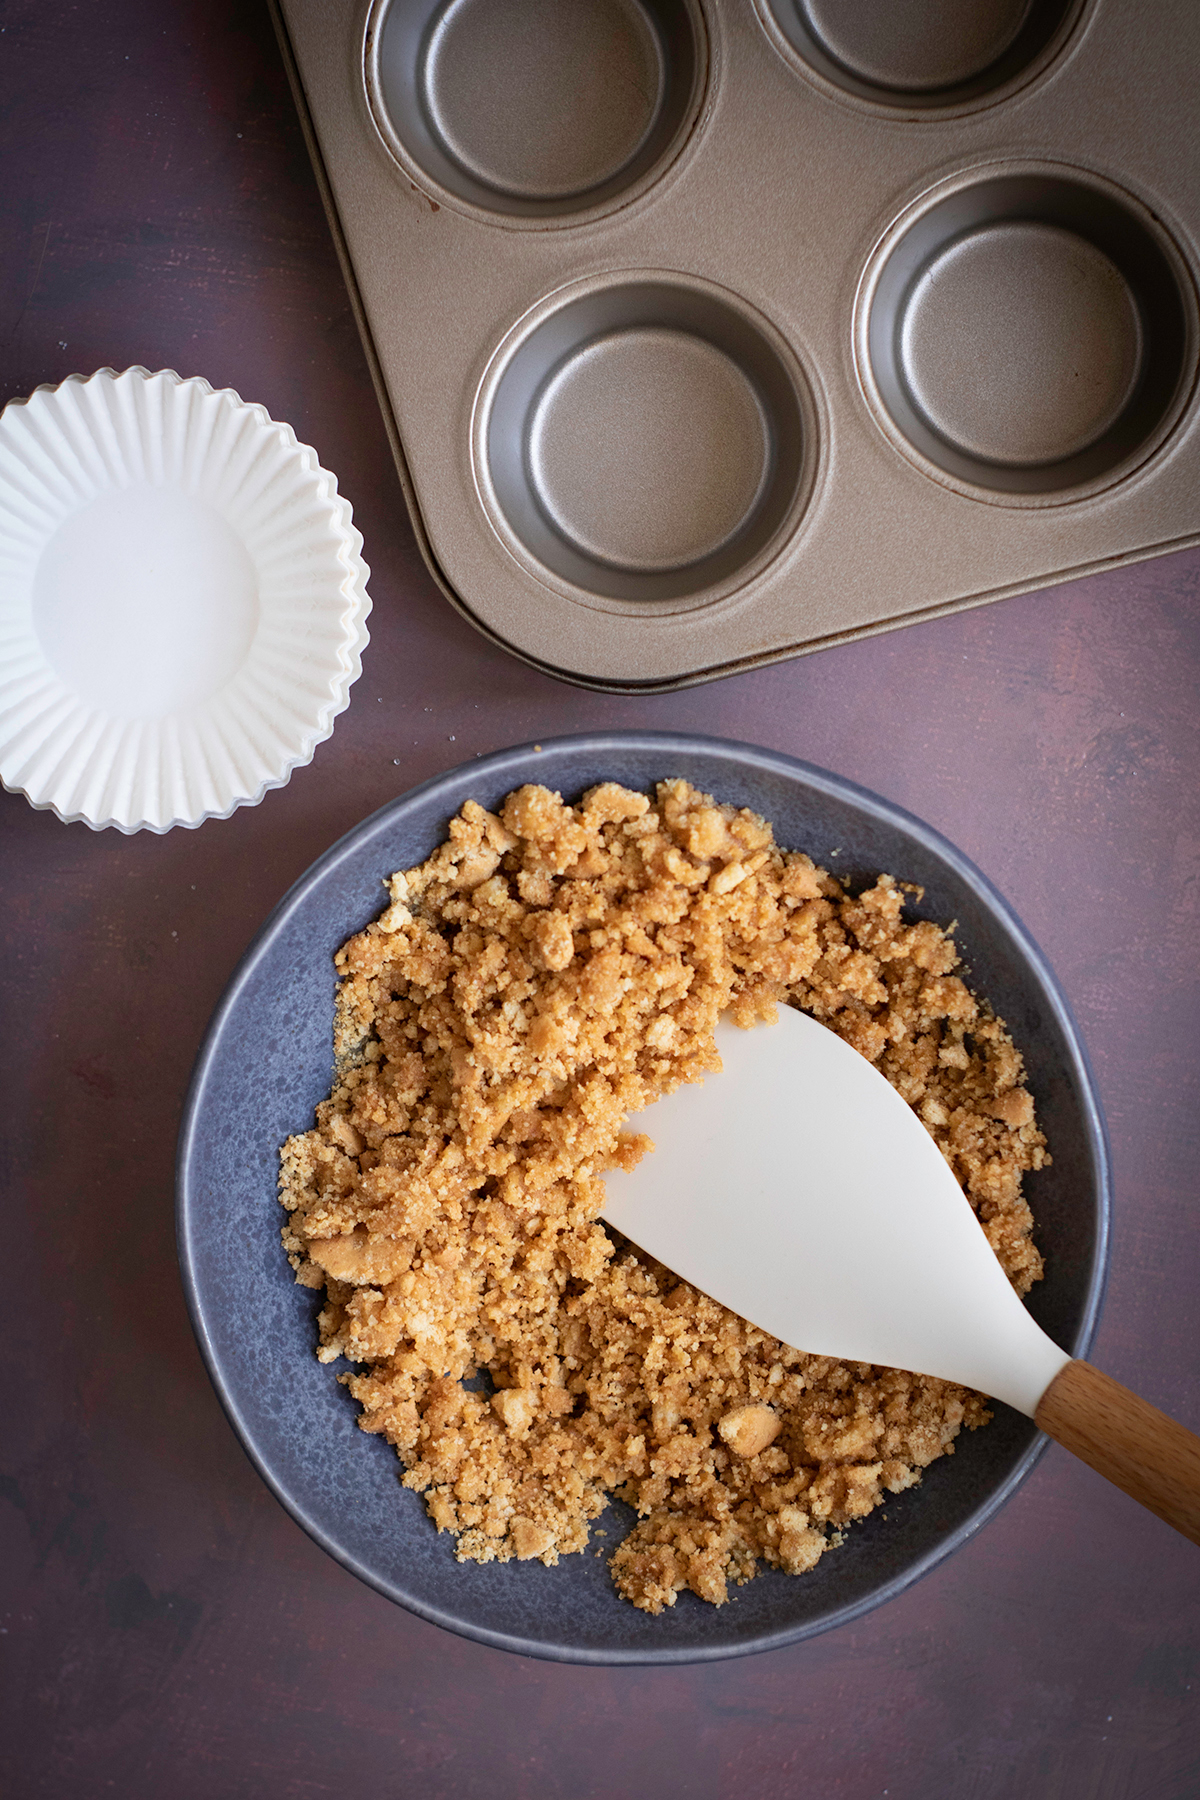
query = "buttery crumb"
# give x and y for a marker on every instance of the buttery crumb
(748, 1430)
(550, 970)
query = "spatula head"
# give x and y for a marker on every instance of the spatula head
(797, 1188)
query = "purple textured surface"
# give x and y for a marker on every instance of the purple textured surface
(166, 1627)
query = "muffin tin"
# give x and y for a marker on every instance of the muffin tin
(710, 331)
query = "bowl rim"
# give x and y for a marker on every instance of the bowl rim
(601, 743)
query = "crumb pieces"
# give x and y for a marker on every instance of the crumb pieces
(550, 970)
(750, 1429)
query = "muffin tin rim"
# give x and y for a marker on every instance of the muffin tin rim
(813, 406)
(1156, 219)
(1063, 44)
(402, 163)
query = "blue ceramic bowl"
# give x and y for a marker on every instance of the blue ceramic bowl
(266, 1062)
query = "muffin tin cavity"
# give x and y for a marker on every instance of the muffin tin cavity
(1030, 334)
(535, 110)
(646, 439)
(923, 54)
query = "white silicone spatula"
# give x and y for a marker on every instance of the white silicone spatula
(800, 1190)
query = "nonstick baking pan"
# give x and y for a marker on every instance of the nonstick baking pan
(708, 332)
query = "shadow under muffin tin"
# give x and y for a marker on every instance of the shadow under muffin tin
(708, 332)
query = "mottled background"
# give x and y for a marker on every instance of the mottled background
(167, 1630)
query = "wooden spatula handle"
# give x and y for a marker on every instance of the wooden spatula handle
(1127, 1441)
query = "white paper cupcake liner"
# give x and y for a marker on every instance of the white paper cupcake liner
(182, 600)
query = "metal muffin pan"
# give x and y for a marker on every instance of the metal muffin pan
(921, 54)
(712, 331)
(605, 93)
(1090, 353)
(693, 501)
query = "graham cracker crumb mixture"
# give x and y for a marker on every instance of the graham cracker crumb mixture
(546, 973)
